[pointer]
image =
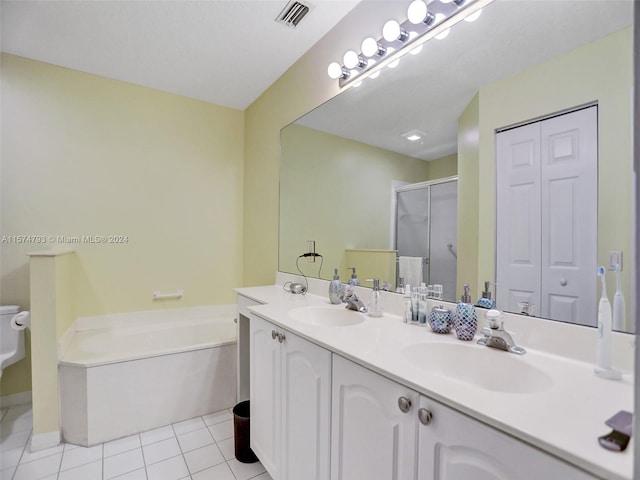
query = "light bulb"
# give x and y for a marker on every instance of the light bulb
(350, 59)
(370, 47)
(335, 71)
(474, 16)
(393, 31)
(417, 11)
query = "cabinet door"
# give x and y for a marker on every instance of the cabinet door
(371, 437)
(265, 394)
(456, 447)
(306, 410)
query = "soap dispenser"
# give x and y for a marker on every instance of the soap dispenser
(486, 301)
(354, 278)
(466, 319)
(374, 309)
(335, 288)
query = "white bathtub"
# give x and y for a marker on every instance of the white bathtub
(128, 373)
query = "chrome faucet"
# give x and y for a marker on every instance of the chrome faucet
(497, 337)
(353, 302)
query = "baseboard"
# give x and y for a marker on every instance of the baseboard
(41, 441)
(15, 399)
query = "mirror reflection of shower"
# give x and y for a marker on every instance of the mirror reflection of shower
(425, 226)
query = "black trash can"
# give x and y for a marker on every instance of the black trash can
(243, 452)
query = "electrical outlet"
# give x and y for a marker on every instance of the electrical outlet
(311, 248)
(615, 258)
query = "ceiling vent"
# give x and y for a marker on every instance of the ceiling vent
(292, 14)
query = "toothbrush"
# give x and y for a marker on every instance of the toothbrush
(618, 303)
(603, 342)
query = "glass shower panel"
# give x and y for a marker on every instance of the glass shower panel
(412, 225)
(443, 243)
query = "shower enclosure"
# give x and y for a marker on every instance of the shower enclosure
(426, 226)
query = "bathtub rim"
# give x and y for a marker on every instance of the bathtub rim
(103, 323)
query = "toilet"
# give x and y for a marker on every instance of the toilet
(11, 340)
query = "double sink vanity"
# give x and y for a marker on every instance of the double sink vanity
(336, 394)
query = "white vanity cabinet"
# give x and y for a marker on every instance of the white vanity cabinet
(453, 446)
(290, 384)
(373, 425)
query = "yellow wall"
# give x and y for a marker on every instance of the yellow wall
(443, 167)
(599, 71)
(325, 182)
(85, 155)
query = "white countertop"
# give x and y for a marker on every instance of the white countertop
(564, 419)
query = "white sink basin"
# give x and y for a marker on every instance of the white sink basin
(326, 316)
(484, 367)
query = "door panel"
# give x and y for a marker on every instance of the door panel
(546, 217)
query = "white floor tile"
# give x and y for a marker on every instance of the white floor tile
(159, 451)
(38, 468)
(222, 431)
(217, 417)
(15, 440)
(228, 448)
(7, 472)
(245, 471)
(189, 425)
(156, 435)
(121, 445)
(28, 456)
(203, 458)
(196, 439)
(10, 458)
(219, 472)
(140, 474)
(89, 471)
(70, 446)
(171, 469)
(123, 463)
(19, 424)
(264, 476)
(80, 456)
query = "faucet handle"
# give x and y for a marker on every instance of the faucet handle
(492, 317)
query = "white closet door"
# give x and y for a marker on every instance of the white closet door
(570, 210)
(546, 216)
(518, 270)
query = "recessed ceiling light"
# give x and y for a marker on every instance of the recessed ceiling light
(414, 135)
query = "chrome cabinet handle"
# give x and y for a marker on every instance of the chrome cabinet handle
(404, 404)
(563, 282)
(425, 416)
(281, 337)
(274, 334)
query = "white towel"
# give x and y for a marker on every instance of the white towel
(410, 268)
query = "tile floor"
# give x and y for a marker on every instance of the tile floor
(197, 449)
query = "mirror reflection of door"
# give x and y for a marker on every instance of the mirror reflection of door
(426, 227)
(547, 188)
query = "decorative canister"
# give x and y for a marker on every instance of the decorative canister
(440, 319)
(465, 321)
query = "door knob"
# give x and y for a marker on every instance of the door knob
(404, 404)
(274, 334)
(563, 282)
(425, 416)
(281, 337)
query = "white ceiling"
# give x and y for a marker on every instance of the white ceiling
(226, 52)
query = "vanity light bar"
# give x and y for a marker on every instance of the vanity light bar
(399, 39)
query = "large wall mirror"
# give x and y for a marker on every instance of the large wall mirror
(521, 61)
